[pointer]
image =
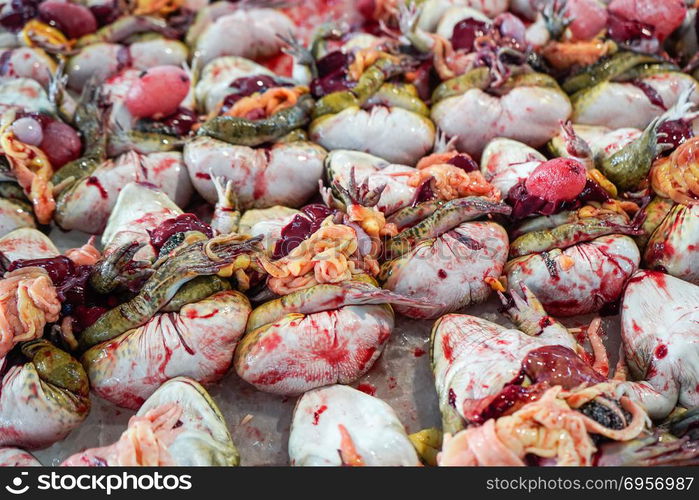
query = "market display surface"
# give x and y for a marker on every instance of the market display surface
(327, 232)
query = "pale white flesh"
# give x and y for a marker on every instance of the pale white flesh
(660, 330)
(377, 172)
(88, 206)
(285, 174)
(378, 436)
(138, 209)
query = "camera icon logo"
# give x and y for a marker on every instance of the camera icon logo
(16, 487)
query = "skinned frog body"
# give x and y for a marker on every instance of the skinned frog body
(198, 342)
(179, 424)
(284, 174)
(444, 257)
(245, 132)
(392, 133)
(570, 233)
(214, 83)
(99, 61)
(43, 398)
(581, 278)
(627, 90)
(138, 210)
(659, 330)
(89, 202)
(486, 375)
(365, 429)
(15, 214)
(201, 258)
(222, 29)
(44, 393)
(473, 359)
(371, 82)
(376, 172)
(506, 162)
(528, 108)
(326, 334)
(673, 245)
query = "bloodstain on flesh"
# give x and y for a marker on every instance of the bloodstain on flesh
(367, 389)
(318, 413)
(661, 351)
(94, 181)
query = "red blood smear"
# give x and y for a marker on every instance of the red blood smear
(658, 250)
(418, 352)
(281, 64)
(202, 175)
(364, 356)
(653, 96)
(452, 398)
(179, 224)
(94, 181)
(661, 351)
(509, 398)
(192, 314)
(447, 349)
(318, 413)
(660, 279)
(367, 389)
(442, 274)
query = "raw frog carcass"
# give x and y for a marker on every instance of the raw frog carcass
(365, 430)
(330, 321)
(659, 329)
(184, 319)
(45, 391)
(515, 390)
(179, 424)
